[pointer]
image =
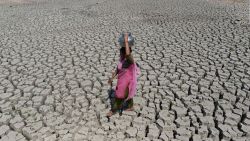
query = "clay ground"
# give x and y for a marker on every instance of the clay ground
(56, 57)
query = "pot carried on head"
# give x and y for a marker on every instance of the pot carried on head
(121, 40)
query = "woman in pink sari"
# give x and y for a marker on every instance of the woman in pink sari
(127, 72)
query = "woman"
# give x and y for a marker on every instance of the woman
(127, 72)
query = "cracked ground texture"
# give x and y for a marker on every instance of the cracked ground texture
(56, 57)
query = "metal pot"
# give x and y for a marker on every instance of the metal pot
(121, 40)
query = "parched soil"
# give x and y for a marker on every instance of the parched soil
(15, 1)
(56, 57)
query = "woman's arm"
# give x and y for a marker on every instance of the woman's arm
(127, 49)
(126, 45)
(114, 74)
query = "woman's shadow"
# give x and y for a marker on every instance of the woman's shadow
(111, 97)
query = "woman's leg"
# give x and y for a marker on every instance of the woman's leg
(130, 102)
(121, 91)
(117, 104)
(115, 107)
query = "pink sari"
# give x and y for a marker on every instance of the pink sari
(127, 78)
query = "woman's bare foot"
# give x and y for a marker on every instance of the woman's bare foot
(109, 114)
(130, 109)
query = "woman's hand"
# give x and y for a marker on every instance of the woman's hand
(110, 81)
(113, 74)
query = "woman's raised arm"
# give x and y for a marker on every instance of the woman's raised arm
(126, 45)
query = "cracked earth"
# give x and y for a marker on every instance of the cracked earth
(56, 57)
